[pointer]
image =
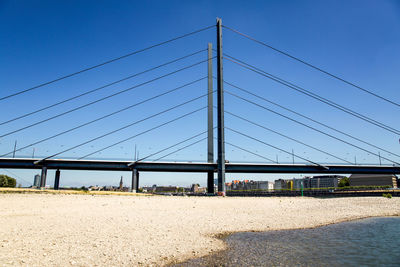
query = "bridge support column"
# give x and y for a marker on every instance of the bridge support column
(57, 180)
(43, 177)
(210, 120)
(220, 108)
(135, 181)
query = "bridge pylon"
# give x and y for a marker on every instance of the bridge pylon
(220, 109)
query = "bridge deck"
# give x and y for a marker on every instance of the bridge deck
(103, 165)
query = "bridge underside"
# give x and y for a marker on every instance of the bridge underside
(101, 165)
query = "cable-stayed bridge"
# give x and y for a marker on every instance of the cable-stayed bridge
(244, 96)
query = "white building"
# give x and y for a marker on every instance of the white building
(36, 180)
(265, 185)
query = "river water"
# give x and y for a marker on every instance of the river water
(367, 242)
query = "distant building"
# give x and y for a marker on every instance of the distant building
(201, 190)
(322, 181)
(249, 185)
(215, 185)
(373, 180)
(265, 185)
(297, 183)
(121, 184)
(36, 181)
(228, 186)
(307, 182)
(194, 188)
(281, 184)
(149, 189)
(110, 188)
(95, 188)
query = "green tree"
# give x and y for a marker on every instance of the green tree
(344, 182)
(181, 189)
(7, 181)
(84, 188)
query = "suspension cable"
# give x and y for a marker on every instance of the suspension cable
(141, 133)
(310, 127)
(99, 88)
(275, 147)
(182, 148)
(105, 116)
(314, 67)
(251, 152)
(106, 62)
(101, 99)
(316, 96)
(287, 137)
(126, 126)
(171, 146)
(309, 118)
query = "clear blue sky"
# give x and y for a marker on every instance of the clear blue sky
(42, 40)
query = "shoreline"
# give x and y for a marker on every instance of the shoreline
(222, 236)
(157, 230)
(254, 248)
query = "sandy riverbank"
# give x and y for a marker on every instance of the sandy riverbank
(104, 230)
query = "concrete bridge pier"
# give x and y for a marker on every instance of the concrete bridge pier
(43, 177)
(57, 180)
(135, 181)
(210, 182)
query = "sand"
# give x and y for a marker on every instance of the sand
(107, 230)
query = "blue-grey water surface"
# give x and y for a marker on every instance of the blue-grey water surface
(367, 242)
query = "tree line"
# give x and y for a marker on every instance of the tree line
(7, 181)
